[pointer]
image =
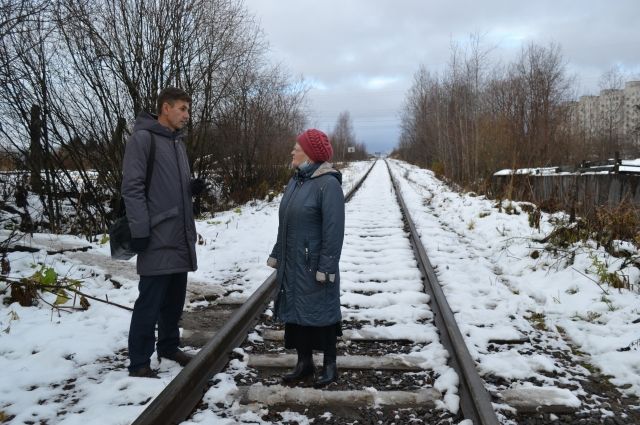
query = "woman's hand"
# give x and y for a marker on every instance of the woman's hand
(322, 277)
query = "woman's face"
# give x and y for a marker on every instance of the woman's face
(297, 156)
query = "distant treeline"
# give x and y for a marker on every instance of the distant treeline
(74, 75)
(477, 117)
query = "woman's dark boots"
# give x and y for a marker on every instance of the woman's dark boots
(303, 370)
(329, 371)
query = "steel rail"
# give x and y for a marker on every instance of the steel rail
(475, 401)
(175, 403)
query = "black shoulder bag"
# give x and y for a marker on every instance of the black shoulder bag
(119, 232)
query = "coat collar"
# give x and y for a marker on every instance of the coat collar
(317, 170)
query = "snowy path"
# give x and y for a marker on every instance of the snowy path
(381, 296)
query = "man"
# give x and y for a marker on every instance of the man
(162, 229)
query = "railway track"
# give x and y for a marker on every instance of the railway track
(402, 358)
(534, 371)
(398, 356)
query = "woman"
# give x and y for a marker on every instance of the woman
(306, 255)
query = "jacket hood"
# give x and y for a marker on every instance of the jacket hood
(149, 122)
(327, 168)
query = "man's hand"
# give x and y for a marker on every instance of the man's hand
(272, 262)
(138, 245)
(198, 186)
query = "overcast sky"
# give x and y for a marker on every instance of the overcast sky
(361, 55)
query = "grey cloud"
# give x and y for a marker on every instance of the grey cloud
(339, 43)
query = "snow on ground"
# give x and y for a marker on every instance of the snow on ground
(70, 368)
(484, 262)
(373, 225)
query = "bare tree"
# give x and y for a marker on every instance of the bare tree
(14, 14)
(468, 122)
(255, 131)
(75, 75)
(342, 137)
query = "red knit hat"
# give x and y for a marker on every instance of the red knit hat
(316, 145)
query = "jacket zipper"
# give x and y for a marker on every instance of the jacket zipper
(184, 212)
(284, 232)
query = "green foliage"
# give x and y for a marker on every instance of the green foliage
(104, 239)
(47, 279)
(45, 276)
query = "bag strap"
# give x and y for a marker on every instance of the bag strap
(147, 180)
(150, 162)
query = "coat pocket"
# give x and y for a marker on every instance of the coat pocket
(164, 215)
(312, 256)
(166, 229)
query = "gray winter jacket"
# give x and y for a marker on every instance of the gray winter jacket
(166, 216)
(310, 235)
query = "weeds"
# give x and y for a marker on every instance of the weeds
(12, 317)
(608, 227)
(618, 223)
(511, 209)
(592, 316)
(608, 302)
(613, 279)
(438, 169)
(46, 280)
(538, 321)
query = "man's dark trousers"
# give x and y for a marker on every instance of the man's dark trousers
(160, 301)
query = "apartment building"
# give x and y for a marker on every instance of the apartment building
(613, 112)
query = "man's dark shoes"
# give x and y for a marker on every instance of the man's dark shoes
(329, 375)
(179, 356)
(144, 372)
(303, 370)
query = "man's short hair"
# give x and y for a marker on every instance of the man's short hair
(170, 95)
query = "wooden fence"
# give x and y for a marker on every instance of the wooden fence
(580, 193)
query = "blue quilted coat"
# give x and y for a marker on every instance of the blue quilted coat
(310, 235)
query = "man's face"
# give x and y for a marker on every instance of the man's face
(175, 116)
